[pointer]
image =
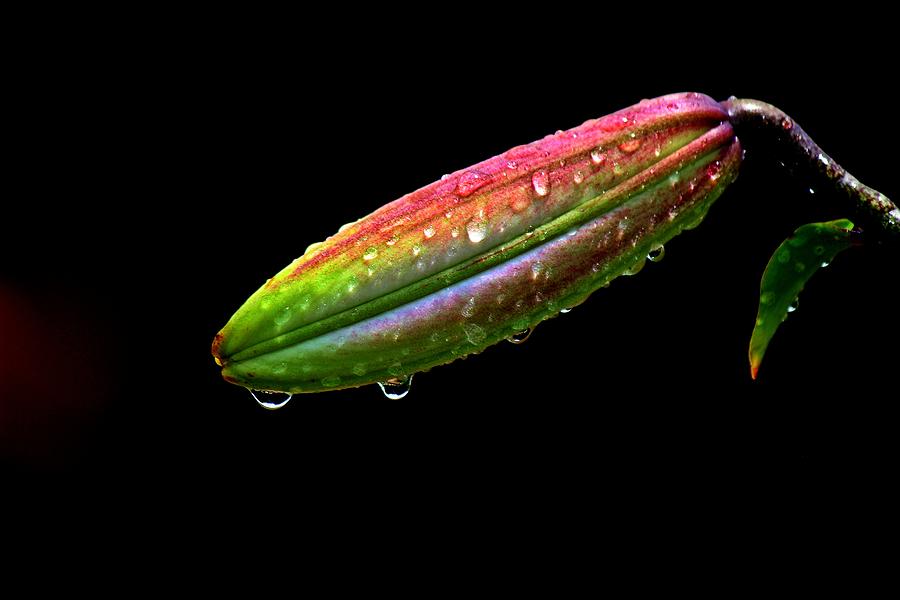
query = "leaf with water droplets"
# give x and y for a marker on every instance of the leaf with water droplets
(793, 263)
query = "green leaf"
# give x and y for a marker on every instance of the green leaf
(811, 247)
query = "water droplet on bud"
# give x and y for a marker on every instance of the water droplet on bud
(470, 181)
(519, 337)
(396, 388)
(540, 181)
(630, 146)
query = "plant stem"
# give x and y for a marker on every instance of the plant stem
(874, 208)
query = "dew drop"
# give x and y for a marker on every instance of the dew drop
(630, 146)
(794, 305)
(283, 316)
(312, 247)
(824, 264)
(392, 241)
(519, 337)
(474, 333)
(428, 232)
(470, 181)
(469, 308)
(812, 191)
(271, 400)
(536, 269)
(563, 311)
(636, 267)
(578, 177)
(477, 230)
(396, 388)
(416, 249)
(371, 253)
(656, 254)
(331, 381)
(597, 156)
(657, 152)
(540, 181)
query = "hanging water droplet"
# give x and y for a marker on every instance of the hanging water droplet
(396, 388)
(271, 400)
(540, 181)
(794, 305)
(470, 181)
(824, 264)
(477, 230)
(656, 254)
(519, 337)
(812, 191)
(371, 253)
(597, 156)
(563, 311)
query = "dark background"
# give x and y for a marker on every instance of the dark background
(160, 185)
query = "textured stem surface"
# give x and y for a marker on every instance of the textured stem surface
(874, 208)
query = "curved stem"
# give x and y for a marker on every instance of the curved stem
(872, 206)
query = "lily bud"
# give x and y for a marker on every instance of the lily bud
(484, 253)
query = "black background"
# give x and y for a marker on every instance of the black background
(159, 186)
